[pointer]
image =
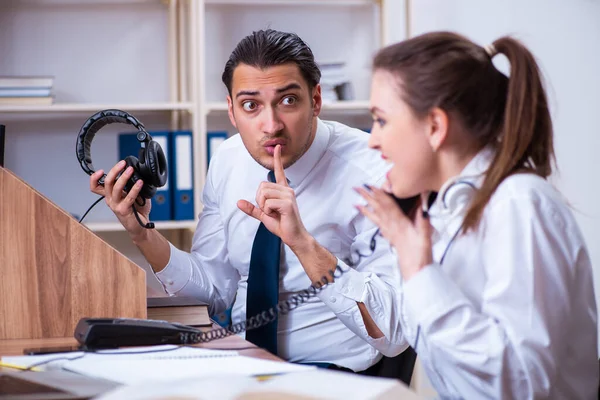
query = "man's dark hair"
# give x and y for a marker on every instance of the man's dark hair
(269, 48)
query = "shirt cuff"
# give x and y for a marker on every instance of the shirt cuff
(430, 294)
(345, 291)
(177, 273)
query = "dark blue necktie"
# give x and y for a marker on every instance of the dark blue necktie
(263, 284)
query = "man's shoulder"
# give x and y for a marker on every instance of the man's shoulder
(231, 147)
(221, 161)
(351, 147)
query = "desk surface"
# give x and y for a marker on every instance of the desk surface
(15, 347)
(89, 388)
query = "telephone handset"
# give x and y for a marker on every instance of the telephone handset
(407, 205)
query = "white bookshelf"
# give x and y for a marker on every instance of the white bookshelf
(160, 60)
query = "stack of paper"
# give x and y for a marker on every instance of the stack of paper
(159, 363)
(165, 352)
(136, 370)
(309, 385)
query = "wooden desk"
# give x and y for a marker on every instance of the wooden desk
(15, 347)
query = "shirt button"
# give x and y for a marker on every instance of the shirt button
(169, 281)
(332, 299)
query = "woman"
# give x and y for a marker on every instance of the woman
(497, 287)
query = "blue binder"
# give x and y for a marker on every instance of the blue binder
(182, 175)
(161, 202)
(213, 140)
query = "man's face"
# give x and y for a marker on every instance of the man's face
(273, 106)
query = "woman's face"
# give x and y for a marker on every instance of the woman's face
(401, 137)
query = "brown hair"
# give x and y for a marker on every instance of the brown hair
(448, 71)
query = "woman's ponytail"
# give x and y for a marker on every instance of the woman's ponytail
(524, 142)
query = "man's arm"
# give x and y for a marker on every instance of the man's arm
(204, 273)
(153, 245)
(374, 283)
(319, 264)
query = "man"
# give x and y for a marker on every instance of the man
(274, 102)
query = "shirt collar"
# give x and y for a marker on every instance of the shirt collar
(457, 191)
(296, 172)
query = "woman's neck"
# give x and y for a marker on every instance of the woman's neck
(451, 163)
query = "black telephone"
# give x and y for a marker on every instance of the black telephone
(98, 333)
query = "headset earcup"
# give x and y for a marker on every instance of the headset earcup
(156, 164)
(148, 191)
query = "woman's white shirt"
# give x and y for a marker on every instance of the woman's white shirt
(510, 312)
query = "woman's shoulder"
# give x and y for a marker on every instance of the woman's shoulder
(531, 196)
(527, 187)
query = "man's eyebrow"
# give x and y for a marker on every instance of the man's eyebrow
(279, 90)
(247, 93)
(288, 87)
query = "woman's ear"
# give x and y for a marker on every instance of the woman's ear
(438, 128)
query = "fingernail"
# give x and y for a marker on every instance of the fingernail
(122, 163)
(129, 170)
(139, 183)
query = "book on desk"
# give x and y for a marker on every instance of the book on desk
(182, 310)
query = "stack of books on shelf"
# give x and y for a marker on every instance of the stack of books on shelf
(335, 84)
(26, 90)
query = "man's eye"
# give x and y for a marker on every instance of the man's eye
(289, 100)
(249, 106)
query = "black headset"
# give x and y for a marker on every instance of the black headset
(151, 164)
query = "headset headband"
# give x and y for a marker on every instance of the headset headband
(97, 122)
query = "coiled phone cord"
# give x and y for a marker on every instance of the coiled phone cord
(283, 307)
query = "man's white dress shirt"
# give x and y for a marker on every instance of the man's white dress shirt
(327, 328)
(510, 313)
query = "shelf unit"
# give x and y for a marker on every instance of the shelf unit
(160, 225)
(191, 102)
(93, 107)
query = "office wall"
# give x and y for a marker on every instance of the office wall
(564, 36)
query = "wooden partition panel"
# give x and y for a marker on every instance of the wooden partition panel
(54, 271)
